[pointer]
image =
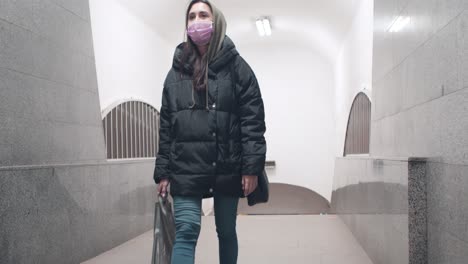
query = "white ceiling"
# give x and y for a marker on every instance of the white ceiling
(319, 24)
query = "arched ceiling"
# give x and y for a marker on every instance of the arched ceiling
(319, 24)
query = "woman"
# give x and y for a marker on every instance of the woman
(211, 134)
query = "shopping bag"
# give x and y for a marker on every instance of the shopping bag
(164, 232)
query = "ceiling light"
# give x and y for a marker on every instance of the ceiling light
(267, 26)
(263, 27)
(399, 23)
(260, 28)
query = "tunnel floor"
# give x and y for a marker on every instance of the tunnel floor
(262, 239)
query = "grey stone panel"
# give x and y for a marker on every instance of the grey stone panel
(417, 32)
(417, 211)
(384, 13)
(53, 63)
(384, 138)
(77, 7)
(22, 193)
(445, 12)
(443, 241)
(435, 69)
(421, 76)
(23, 141)
(374, 230)
(17, 12)
(57, 99)
(395, 250)
(401, 5)
(69, 214)
(435, 129)
(21, 96)
(446, 52)
(427, 63)
(95, 151)
(26, 96)
(427, 19)
(87, 110)
(429, 57)
(389, 93)
(76, 143)
(375, 138)
(48, 84)
(453, 124)
(383, 202)
(16, 48)
(7, 130)
(65, 23)
(446, 248)
(31, 142)
(382, 57)
(447, 203)
(62, 27)
(384, 194)
(420, 131)
(382, 236)
(66, 104)
(463, 49)
(377, 91)
(86, 77)
(63, 142)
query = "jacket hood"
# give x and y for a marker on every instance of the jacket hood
(226, 54)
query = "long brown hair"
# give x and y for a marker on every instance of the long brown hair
(190, 50)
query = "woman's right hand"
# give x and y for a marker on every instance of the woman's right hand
(162, 187)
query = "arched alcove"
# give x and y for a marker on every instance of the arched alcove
(131, 130)
(358, 129)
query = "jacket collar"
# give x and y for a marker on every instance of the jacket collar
(225, 55)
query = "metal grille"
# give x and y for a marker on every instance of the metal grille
(358, 131)
(131, 130)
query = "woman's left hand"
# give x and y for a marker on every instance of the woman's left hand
(249, 183)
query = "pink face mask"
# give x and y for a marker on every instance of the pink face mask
(200, 32)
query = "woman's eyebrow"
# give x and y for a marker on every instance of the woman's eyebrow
(195, 12)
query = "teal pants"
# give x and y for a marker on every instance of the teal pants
(187, 213)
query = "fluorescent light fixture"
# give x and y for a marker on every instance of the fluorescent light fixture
(263, 27)
(267, 26)
(260, 28)
(399, 23)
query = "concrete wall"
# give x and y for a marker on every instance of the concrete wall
(384, 204)
(49, 108)
(297, 89)
(60, 200)
(132, 58)
(68, 214)
(353, 69)
(420, 108)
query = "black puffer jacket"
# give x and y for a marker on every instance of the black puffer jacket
(204, 151)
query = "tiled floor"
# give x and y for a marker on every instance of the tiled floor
(262, 239)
